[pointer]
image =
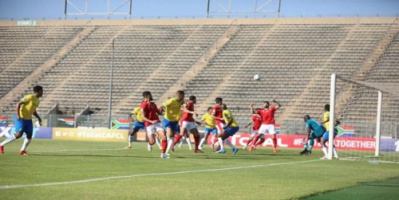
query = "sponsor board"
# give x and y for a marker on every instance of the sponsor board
(26, 23)
(38, 133)
(296, 141)
(90, 134)
(388, 144)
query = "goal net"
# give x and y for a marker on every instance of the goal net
(369, 116)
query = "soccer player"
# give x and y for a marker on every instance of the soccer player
(230, 129)
(326, 123)
(172, 108)
(188, 122)
(150, 112)
(257, 121)
(209, 122)
(314, 131)
(217, 114)
(268, 122)
(138, 124)
(182, 137)
(23, 119)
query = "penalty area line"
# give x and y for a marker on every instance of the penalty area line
(5, 187)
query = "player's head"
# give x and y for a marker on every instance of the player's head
(193, 99)
(38, 90)
(224, 106)
(327, 107)
(219, 100)
(180, 95)
(147, 96)
(306, 118)
(210, 110)
(266, 104)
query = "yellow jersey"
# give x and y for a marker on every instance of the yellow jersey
(326, 116)
(209, 121)
(137, 111)
(226, 116)
(29, 104)
(172, 109)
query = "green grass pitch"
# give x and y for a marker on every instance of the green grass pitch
(100, 170)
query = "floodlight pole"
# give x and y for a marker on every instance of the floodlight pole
(332, 117)
(65, 9)
(110, 85)
(208, 3)
(279, 8)
(378, 125)
(130, 9)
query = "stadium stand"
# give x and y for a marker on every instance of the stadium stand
(294, 58)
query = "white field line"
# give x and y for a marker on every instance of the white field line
(5, 187)
(77, 150)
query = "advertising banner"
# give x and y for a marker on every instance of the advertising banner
(90, 134)
(42, 132)
(296, 141)
(388, 144)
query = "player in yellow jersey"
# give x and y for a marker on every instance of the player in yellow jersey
(172, 110)
(23, 119)
(230, 129)
(326, 123)
(138, 124)
(210, 127)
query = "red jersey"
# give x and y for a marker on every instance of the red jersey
(150, 109)
(267, 115)
(188, 116)
(218, 113)
(257, 122)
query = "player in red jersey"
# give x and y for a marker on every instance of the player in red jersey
(153, 126)
(268, 122)
(217, 114)
(256, 119)
(188, 124)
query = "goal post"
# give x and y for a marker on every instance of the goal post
(385, 95)
(332, 116)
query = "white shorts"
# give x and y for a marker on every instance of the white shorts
(220, 127)
(154, 128)
(188, 126)
(267, 128)
(255, 132)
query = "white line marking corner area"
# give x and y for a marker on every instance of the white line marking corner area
(5, 187)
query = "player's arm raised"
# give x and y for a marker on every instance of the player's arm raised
(252, 110)
(278, 104)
